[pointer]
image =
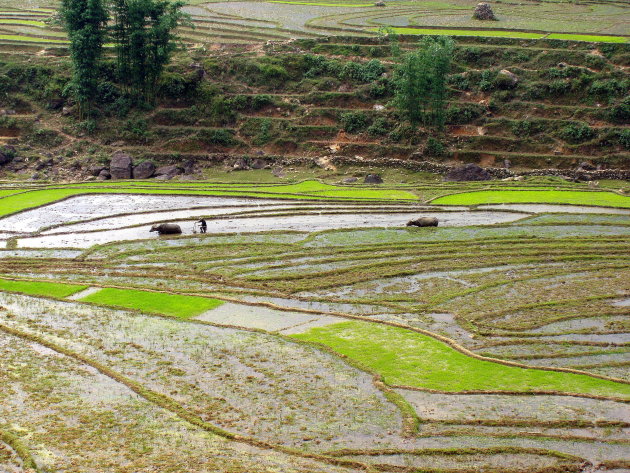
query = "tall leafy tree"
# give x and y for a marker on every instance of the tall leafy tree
(144, 34)
(85, 22)
(420, 81)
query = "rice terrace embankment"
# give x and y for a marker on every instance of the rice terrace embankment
(301, 322)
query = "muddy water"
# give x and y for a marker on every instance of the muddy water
(457, 407)
(251, 383)
(87, 207)
(265, 318)
(309, 223)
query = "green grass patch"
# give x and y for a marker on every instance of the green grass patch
(37, 288)
(30, 39)
(404, 357)
(154, 302)
(604, 199)
(590, 38)
(451, 32)
(39, 24)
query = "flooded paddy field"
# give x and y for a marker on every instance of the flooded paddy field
(313, 336)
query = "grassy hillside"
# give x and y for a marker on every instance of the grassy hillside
(324, 97)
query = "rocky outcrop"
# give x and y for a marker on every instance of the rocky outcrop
(144, 170)
(373, 179)
(121, 166)
(506, 79)
(468, 172)
(483, 11)
(168, 172)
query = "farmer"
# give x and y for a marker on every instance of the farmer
(203, 225)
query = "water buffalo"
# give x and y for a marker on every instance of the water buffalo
(166, 229)
(423, 222)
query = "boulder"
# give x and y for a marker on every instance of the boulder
(144, 170)
(278, 172)
(5, 158)
(103, 175)
(96, 170)
(506, 79)
(373, 179)
(258, 164)
(379, 4)
(189, 166)
(44, 164)
(350, 180)
(468, 172)
(168, 172)
(483, 11)
(586, 166)
(121, 166)
(240, 165)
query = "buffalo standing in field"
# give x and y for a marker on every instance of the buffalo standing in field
(167, 229)
(423, 222)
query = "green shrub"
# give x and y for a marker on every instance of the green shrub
(595, 62)
(620, 113)
(577, 133)
(219, 136)
(265, 134)
(623, 138)
(354, 122)
(559, 87)
(379, 127)
(463, 113)
(261, 101)
(609, 87)
(136, 128)
(434, 148)
(45, 137)
(459, 81)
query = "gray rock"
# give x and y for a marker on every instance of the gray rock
(104, 175)
(483, 11)
(121, 166)
(468, 172)
(96, 170)
(144, 170)
(278, 172)
(44, 164)
(350, 180)
(189, 167)
(5, 158)
(507, 78)
(373, 179)
(258, 164)
(168, 172)
(240, 165)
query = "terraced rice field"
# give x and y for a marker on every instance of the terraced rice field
(310, 330)
(27, 24)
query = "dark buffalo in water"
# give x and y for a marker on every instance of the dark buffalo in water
(423, 222)
(167, 229)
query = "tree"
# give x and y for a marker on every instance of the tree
(144, 35)
(85, 22)
(420, 81)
